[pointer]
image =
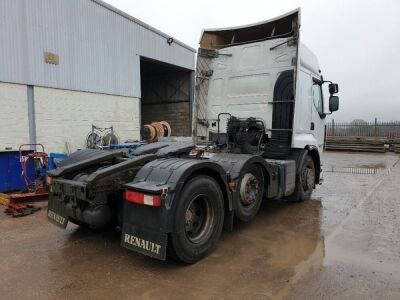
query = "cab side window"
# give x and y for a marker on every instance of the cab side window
(317, 97)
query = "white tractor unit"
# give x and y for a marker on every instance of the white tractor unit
(258, 134)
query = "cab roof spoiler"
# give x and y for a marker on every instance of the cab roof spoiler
(286, 25)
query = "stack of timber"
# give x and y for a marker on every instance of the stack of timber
(394, 145)
(355, 143)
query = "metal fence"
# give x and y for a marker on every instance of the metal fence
(389, 130)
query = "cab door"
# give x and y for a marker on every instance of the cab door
(317, 125)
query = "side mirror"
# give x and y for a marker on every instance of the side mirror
(333, 103)
(333, 88)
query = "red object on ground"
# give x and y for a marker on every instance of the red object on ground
(24, 158)
(20, 209)
(17, 205)
(37, 195)
(39, 190)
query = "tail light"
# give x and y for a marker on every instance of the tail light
(144, 199)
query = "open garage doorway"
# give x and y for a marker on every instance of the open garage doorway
(166, 95)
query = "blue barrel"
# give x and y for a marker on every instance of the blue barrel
(11, 171)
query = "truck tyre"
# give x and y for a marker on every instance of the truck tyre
(305, 181)
(250, 193)
(199, 220)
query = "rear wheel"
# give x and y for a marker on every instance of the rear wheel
(251, 193)
(199, 220)
(305, 181)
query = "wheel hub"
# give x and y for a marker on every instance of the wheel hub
(189, 216)
(308, 179)
(198, 219)
(249, 189)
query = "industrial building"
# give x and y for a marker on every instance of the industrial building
(65, 65)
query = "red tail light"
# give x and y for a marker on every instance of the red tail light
(140, 198)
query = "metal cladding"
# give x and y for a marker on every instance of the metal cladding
(81, 45)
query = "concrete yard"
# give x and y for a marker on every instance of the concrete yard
(342, 244)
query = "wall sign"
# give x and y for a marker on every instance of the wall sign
(51, 58)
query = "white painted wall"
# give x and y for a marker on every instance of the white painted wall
(67, 116)
(14, 115)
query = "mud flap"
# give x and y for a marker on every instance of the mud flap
(150, 243)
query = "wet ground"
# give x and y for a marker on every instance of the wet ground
(342, 244)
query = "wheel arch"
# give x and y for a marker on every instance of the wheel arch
(224, 184)
(314, 153)
(216, 175)
(267, 176)
(216, 172)
(174, 173)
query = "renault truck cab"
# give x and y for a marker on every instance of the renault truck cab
(262, 71)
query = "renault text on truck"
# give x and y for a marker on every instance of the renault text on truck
(258, 133)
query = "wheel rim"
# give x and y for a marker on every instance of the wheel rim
(199, 218)
(93, 140)
(308, 178)
(249, 190)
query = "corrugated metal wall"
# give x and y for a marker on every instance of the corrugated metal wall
(98, 48)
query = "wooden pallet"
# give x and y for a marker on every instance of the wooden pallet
(396, 148)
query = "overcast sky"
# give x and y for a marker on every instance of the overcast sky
(357, 42)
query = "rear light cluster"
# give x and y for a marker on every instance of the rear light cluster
(140, 198)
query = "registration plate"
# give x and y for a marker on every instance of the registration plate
(56, 213)
(57, 219)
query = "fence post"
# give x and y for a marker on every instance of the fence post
(376, 128)
(333, 127)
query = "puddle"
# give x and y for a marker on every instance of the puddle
(259, 260)
(378, 165)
